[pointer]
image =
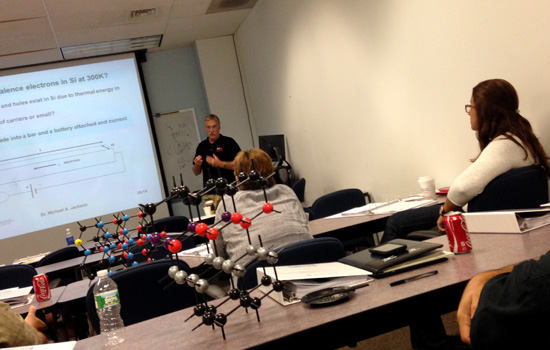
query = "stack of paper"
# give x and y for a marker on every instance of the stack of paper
(387, 207)
(16, 297)
(302, 279)
(199, 251)
(30, 259)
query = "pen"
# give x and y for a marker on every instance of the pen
(413, 278)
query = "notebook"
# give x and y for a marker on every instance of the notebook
(417, 254)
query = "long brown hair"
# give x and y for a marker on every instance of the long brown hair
(262, 164)
(496, 103)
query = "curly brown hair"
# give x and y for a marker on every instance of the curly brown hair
(262, 164)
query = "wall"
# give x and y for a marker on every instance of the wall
(222, 83)
(205, 77)
(174, 82)
(371, 94)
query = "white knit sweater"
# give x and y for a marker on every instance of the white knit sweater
(498, 157)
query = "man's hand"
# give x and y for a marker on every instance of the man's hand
(197, 165)
(470, 300)
(198, 160)
(36, 323)
(213, 160)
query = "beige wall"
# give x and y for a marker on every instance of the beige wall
(223, 88)
(371, 94)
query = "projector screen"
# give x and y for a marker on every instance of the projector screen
(75, 143)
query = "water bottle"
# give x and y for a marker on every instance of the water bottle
(107, 303)
(69, 237)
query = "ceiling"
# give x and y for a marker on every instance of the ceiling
(34, 31)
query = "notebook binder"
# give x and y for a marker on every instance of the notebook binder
(417, 254)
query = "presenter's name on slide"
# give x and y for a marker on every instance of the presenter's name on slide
(61, 210)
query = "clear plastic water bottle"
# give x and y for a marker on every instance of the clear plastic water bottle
(69, 237)
(107, 303)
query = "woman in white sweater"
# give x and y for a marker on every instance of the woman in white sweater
(506, 141)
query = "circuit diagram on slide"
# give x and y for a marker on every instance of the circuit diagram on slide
(33, 175)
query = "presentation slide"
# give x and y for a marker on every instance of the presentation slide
(75, 143)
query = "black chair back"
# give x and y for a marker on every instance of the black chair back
(146, 291)
(160, 252)
(59, 255)
(522, 188)
(171, 224)
(309, 251)
(337, 202)
(61, 278)
(300, 188)
(16, 276)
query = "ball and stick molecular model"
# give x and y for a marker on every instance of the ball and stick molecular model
(119, 238)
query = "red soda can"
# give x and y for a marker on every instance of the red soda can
(41, 287)
(457, 233)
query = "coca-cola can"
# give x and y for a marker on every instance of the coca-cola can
(457, 233)
(41, 286)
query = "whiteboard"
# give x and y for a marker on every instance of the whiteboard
(178, 137)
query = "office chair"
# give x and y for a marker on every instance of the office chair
(299, 188)
(16, 276)
(310, 251)
(337, 202)
(170, 224)
(66, 277)
(146, 291)
(521, 188)
(160, 252)
(60, 255)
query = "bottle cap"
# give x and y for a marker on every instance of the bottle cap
(102, 273)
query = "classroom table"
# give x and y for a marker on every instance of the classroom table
(56, 293)
(373, 310)
(71, 264)
(352, 227)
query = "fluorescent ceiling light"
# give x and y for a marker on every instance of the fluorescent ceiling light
(110, 47)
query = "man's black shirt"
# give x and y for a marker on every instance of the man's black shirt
(225, 148)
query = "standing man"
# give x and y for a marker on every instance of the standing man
(215, 153)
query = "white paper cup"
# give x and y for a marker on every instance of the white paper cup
(427, 185)
(207, 210)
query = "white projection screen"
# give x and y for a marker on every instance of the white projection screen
(75, 143)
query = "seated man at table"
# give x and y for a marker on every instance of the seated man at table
(16, 331)
(508, 308)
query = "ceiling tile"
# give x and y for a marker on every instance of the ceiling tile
(17, 9)
(189, 8)
(24, 28)
(30, 58)
(183, 32)
(10, 45)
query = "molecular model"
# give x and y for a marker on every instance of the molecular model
(106, 242)
(208, 313)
